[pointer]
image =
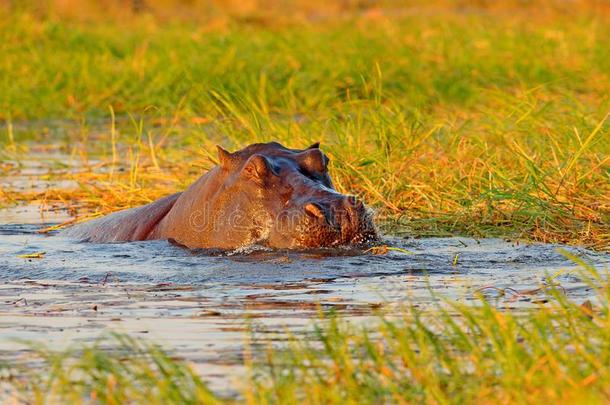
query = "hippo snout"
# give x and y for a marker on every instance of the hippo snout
(333, 213)
(341, 220)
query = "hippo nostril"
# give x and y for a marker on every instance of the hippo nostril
(314, 210)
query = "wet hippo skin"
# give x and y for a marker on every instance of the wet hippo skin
(264, 194)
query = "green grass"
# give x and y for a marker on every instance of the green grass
(452, 123)
(453, 353)
(56, 69)
(129, 371)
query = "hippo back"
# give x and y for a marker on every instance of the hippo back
(123, 226)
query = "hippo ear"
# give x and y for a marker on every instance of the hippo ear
(314, 160)
(225, 159)
(257, 167)
(314, 146)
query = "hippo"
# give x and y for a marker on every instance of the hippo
(265, 194)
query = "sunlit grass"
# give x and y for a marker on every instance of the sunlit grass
(130, 371)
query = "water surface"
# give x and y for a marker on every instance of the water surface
(202, 306)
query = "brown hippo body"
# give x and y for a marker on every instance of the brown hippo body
(265, 194)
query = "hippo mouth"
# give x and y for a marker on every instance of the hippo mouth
(348, 223)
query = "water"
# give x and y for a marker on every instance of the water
(195, 303)
(475, 262)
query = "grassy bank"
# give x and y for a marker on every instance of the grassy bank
(446, 120)
(453, 353)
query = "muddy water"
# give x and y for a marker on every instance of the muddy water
(201, 305)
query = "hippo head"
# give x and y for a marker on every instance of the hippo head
(283, 198)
